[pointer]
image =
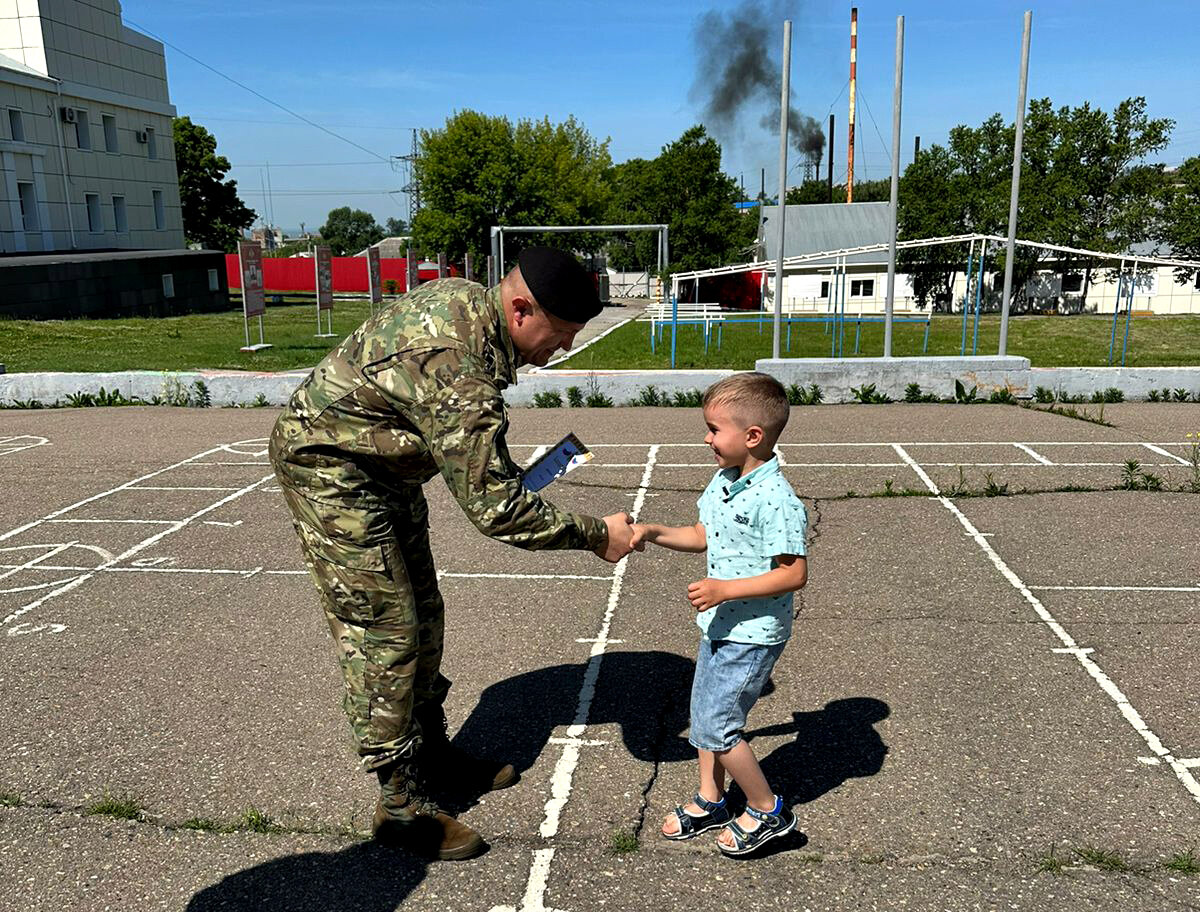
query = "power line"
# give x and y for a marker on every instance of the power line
(254, 92)
(877, 133)
(306, 164)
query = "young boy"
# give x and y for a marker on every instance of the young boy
(753, 525)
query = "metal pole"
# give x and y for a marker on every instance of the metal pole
(979, 298)
(500, 259)
(674, 325)
(889, 302)
(784, 108)
(1129, 311)
(1016, 185)
(831, 158)
(1116, 309)
(966, 305)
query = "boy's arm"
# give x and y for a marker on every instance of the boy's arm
(790, 575)
(691, 539)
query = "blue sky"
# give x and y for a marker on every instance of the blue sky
(371, 71)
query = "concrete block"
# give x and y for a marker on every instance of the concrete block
(837, 377)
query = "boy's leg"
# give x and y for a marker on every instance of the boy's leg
(712, 788)
(743, 766)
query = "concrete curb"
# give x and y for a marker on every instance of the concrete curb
(836, 377)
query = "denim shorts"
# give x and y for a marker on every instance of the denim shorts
(729, 678)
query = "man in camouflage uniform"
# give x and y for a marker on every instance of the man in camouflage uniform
(414, 391)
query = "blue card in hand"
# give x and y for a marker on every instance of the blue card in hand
(566, 455)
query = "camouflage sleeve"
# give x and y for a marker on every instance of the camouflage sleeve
(460, 411)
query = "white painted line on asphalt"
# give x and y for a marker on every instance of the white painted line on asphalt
(594, 640)
(111, 522)
(1117, 588)
(10, 445)
(564, 770)
(582, 742)
(176, 488)
(253, 462)
(1097, 674)
(1149, 761)
(34, 561)
(1191, 763)
(51, 516)
(217, 522)
(1161, 452)
(1038, 456)
(535, 890)
(130, 552)
(1076, 651)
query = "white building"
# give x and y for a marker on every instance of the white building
(86, 154)
(812, 229)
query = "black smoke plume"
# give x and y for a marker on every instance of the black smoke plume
(739, 70)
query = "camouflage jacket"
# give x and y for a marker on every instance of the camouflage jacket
(414, 391)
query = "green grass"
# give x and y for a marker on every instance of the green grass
(1045, 341)
(1183, 863)
(623, 841)
(11, 800)
(1103, 859)
(206, 824)
(175, 343)
(123, 808)
(256, 821)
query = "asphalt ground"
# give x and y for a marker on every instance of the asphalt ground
(987, 702)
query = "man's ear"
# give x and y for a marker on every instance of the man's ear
(522, 308)
(754, 436)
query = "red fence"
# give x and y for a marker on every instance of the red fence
(349, 273)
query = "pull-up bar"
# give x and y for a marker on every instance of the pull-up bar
(497, 270)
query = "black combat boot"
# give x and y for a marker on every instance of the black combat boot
(452, 768)
(406, 817)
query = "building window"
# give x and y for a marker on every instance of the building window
(28, 198)
(824, 289)
(151, 144)
(16, 125)
(862, 288)
(110, 133)
(93, 212)
(214, 281)
(119, 216)
(168, 285)
(83, 132)
(160, 212)
(1072, 283)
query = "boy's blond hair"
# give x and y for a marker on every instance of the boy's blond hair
(752, 398)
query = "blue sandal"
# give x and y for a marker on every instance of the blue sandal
(716, 814)
(776, 822)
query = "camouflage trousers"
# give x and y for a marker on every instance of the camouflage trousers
(374, 571)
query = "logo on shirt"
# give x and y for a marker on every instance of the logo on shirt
(744, 520)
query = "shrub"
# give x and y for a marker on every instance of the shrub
(1043, 395)
(549, 399)
(1003, 396)
(867, 394)
(649, 396)
(574, 397)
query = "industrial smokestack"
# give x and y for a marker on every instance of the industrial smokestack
(853, 89)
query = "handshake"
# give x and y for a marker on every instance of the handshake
(624, 537)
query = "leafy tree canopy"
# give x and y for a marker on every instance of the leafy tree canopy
(213, 215)
(349, 231)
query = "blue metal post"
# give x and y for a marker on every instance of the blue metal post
(1129, 313)
(842, 326)
(1112, 341)
(979, 297)
(674, 326)
(928, 322)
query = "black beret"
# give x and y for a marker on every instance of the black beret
(559, 283)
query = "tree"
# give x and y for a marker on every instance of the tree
(348, 232)
(479, 171)
(1082, 185)
(1178, 225)
(213, 215)
(817, 191)
(395, 227)
(684, 188)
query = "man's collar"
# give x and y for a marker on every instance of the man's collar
(506, 355)
(734, 487)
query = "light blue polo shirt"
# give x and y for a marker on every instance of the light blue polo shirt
(748, 522)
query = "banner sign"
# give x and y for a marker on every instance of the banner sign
(324, 260)
(254, 301)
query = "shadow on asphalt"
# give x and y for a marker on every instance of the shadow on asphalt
(832, 745)
(365, 877)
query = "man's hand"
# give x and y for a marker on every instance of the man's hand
(620, 537)
(707, 593)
